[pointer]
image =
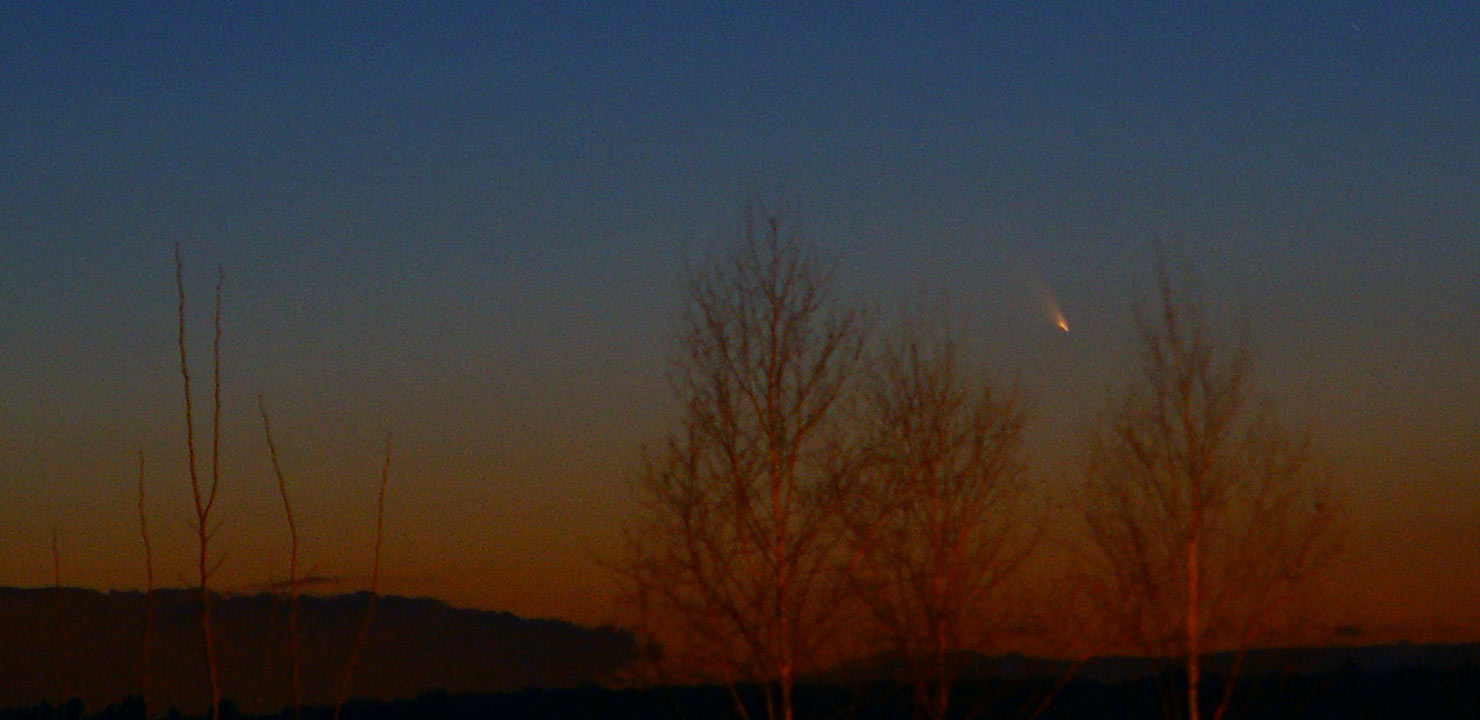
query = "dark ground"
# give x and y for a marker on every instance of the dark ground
(1347, 693)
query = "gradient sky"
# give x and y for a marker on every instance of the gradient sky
(468, 225)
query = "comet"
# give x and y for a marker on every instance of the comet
(1033, 280)
(1051, 306)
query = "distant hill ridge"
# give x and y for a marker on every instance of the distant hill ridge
(56, 644)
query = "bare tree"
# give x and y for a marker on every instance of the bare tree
(1204, 515)
(939, 524)
(738, 527)
(295, 659)
(342, 693)
(203, 496)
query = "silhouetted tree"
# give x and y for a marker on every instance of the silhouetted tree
(203, 496)
(738, 526)
(1204, 515)
(342, 693)
(295, 658)
(939, 523)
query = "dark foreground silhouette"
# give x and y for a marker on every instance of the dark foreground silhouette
(85, 644)
(1344, 693)
(82, 644)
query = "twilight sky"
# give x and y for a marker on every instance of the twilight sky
(467, 226)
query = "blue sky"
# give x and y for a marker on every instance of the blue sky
(469, 225)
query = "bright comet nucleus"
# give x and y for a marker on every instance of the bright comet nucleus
(1049, 301)
(1051, 306)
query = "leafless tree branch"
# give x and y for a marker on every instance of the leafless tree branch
(364, 630)
(738, 525)
(1203, 513)
(204, 502)
(294, 651)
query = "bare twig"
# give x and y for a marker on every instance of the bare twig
(203, 503)
(364, 630)
(148, 592)
(294, 656)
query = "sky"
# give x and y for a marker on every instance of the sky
(468, 227)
